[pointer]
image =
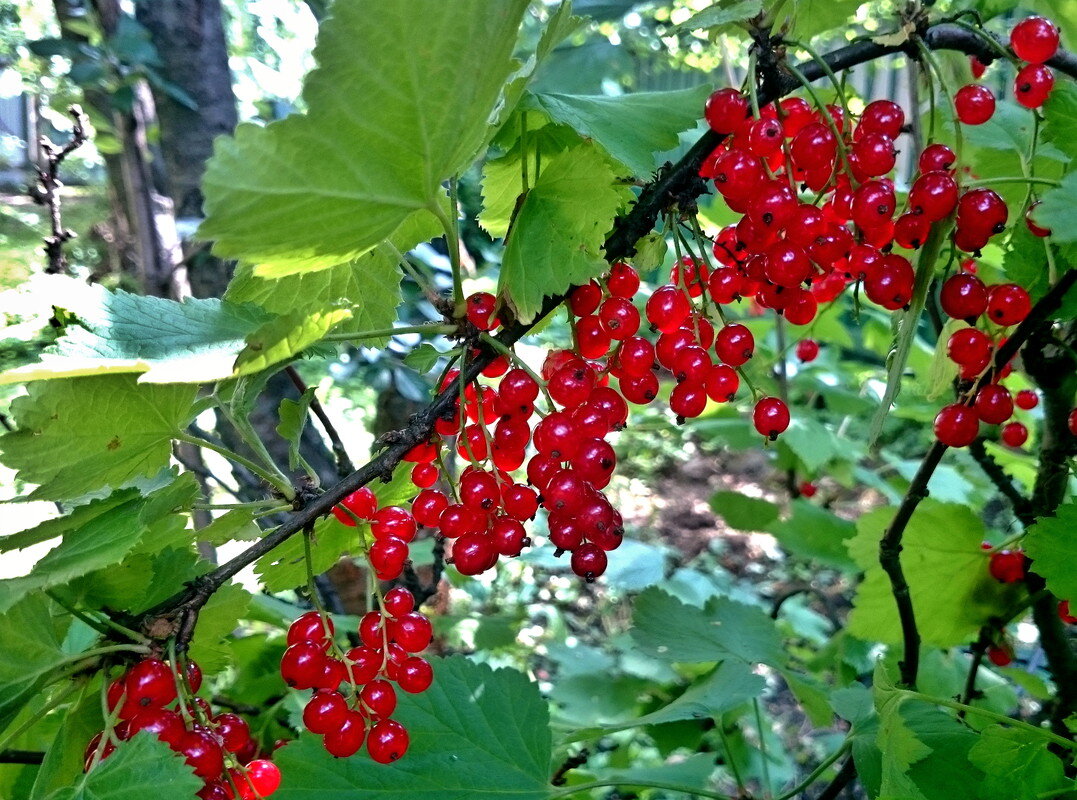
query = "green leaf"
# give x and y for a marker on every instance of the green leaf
(742, 512)
(103, 540)
(293, 418)
(723, 689)
(813, 532)
(1051, 545)
(558, 236)
(141, 767)
(32, 648)
(217, 619)
(1025, 262)
(816, 16)
(811, 442)
(1055, 210)
(368, 286)
(475, 732)
(1017, 765)
(64, 759)
(721, 15)
(423, 358)
(79, 435)
(164, 341)
(236, 525)
(58, 526)
(690, 774)
(632, 127)
(650, 252)
(282, 337)
(394, 109)
(1060, 118)
(943, 370)
(897, 741)
(952, 591)
(723, 629)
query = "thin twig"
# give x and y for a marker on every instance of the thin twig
(344, 464)
(21, 757)
(46, 191)
(1022, 506)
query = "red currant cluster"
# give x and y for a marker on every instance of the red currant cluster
(392, 527)
(355, 688)
(1033, 40)
(152, 697)
(965, 297)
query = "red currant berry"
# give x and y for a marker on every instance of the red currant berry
(588, 561)
(1033, 85)
(203, 753)
(388, 741)
(934, 195)
(968, 347)
(623, 280)
(584, 300)
(977, 67)
(667, 308)
(975, 104)
(882, 117)
(726, 110)
(324, 712)
(722, 383)
(379, 698)
(734, 344)
(963, 296)
(1008, 304)
(689, 399)
(346, 740)
(423, 476)
(311, 627)
(415, 675)
(1007, 566)
(1027, 399)
(473, 553)
(412, 631)
(1034, 39)
(936, 158)
(956, 425)
(1030, 222)
(807, 350)
(263, 776)
(480, 311)
(1064, 613)
(994, 404)
(398, 601)
(150, 683)
(1014, 434)
(302, 665)
(361, 503)
(233, 731)
(807, 489)
(165, 725)
(770, 417)
(427, 507)
(1000, 655)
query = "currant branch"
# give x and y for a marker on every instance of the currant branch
(46, 191)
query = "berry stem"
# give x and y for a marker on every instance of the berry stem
(424, 282)
(839, 90)
(1012, 179)
(827, 118)
(519, 362)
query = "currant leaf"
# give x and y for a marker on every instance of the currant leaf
(1051, 546)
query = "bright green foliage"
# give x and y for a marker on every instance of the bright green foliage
(1060, 117)
(475, 732)
(952, 592)
(1051, 545)
(1017, 765)
(216, 620)
(283, 336)
(80, 435)
(1056, 210)
(742, 512)
(692, 773)
(632, 128)
(557, 238)
(164, 341)
(140, 768)
(100, 542)
(668, 629)
(811, 442)
(59, 526)
(722, 15)
(293, 418)
(393, 110)
(815, 533)
(32, 649)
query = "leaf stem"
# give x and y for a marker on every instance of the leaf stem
(104, 623)
(1012, 179)
(452, 240)
(693, 791)
(276, 481)
(768, 791)
(817, 773)
(381, 333)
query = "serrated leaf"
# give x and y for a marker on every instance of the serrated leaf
(721, 15)
(1017, 765)
(423, 358)
(1060, 118)
(217, 619)
(812, 442)
(632, 127)
(815, 533)
(101, 541)
(742, 512)
(650, 252)
(281, 338)
(368, 286)
(558, 236)
(58, 526)
(816, 16)
(139, 768)
(407, 107)
(943, 370)
(1051, 545)
(32, 648)
(475, 732)
(64, 762)
(235, 525)
(1055, 210)
(723, 629)
(953, 594)
(899, 744)
(164, 341)
(689, 775)
(78, 435)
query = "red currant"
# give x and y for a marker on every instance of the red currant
(956, 425)
(1014, 434)
(1007, 566)
(975, 104)
(771, 417)
(1033, 85)
(388, 741)
(1034, 39)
